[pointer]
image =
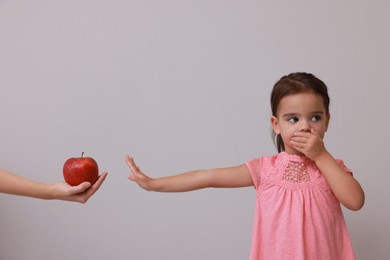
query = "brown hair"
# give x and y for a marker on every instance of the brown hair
(295, 83)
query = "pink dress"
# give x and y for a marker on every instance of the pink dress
(297, 216)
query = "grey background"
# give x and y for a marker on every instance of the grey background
(179, 85)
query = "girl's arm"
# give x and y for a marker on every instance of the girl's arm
(17, 185)
(345, 187)
(232, 177)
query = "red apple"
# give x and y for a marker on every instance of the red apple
(81, 169)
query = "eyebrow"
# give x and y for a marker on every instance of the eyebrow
(296, 114)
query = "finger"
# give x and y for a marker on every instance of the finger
(95, 186)
(74, 190)
(100, 180)
(302, 134)
(129, 161)
(298, 143)
(81, 187)
(297, 140)
(299, 147)
(133, 167)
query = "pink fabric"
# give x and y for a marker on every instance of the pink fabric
(297, 215)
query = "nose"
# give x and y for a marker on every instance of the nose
(304, 127)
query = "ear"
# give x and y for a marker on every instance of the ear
(327, 122)
(275, 124)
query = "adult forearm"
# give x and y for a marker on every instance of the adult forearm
(17, 185)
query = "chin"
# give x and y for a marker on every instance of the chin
(294, 152)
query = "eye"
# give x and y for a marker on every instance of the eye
(292, 119)
(316, 118)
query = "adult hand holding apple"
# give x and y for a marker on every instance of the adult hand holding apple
(80, 193)
(11, 183)
(79, 170)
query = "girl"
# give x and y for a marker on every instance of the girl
(299, 190)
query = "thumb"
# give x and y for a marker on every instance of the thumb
(81, 187)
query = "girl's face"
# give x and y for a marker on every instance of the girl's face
(299, 112)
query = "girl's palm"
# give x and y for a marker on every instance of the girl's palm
(136, 175)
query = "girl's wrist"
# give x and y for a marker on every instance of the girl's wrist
(151, 185)
(323, 156)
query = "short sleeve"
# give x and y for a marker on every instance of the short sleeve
(346, 169)
(254, 169)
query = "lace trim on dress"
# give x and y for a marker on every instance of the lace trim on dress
(296, 172)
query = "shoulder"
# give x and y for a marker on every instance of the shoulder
(263, 161)
(261, 166)
(342, 164)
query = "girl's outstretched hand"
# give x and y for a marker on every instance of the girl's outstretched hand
(80, 193)
(136, 175)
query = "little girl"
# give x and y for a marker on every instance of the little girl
(299, 190)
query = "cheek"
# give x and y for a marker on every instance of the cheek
(287, 133)
(321, 130)
(289, 129)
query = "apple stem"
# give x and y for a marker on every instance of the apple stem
(82, 154)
